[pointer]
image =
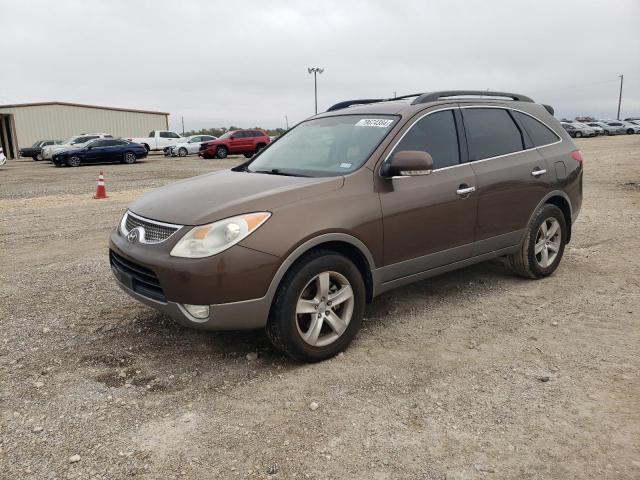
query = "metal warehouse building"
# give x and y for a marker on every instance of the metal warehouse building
(24, 124)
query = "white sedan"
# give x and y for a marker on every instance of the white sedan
(188, 146)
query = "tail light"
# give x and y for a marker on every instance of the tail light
(577, 156)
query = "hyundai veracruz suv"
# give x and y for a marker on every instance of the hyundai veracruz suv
(366, 197)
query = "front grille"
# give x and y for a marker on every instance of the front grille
(154, 232)
(136, 277)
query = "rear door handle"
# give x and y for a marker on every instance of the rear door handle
(464, 190)
(538, 171)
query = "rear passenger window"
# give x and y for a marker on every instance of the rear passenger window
(540, 134)
(491, 132)
(435, 134)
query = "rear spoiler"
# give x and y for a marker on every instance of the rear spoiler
(548, 108)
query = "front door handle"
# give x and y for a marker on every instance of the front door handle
(464, 190)
(538, 171)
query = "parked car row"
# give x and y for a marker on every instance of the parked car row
(187, 145)
(593, 128)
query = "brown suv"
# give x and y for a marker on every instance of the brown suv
(368, 196)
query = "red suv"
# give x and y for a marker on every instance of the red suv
(235, 142)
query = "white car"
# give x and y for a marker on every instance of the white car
(629, 128)
(3, 159)
(76, 141)
(187, 146)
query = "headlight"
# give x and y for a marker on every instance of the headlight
(208, 240)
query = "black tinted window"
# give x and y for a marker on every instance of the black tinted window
(491, 132)
(540, 134)
(100, 143)
(435, 134)
(165, 135)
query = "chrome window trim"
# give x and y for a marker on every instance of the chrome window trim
(125, 232)
(470, 161)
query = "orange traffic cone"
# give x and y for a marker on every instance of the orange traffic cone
(101, 191)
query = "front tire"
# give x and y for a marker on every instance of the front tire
(578, 135)
(182, 152)
(73, 161)
(38, 157)
(222, 152)
(318, 307)
(630, 131)
(543, 246)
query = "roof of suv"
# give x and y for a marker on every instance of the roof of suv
(417, 101)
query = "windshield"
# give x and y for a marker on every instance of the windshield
(328, 146)
(68, 141)
(37, 144)
(227, 135)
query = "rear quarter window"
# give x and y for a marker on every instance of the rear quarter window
(539, 133)
(491, 132)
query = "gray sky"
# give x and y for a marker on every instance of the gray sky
(245, 63)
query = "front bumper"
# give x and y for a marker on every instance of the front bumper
(234, 283)
(244, 315)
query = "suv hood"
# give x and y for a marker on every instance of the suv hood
(214, 196)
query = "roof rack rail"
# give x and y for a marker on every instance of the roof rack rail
(433, 96)
(364, 101)
(348, 103)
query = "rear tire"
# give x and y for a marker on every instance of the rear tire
(73, 161)
(543, 246)
(222, 152)
(630, 131)
(129, 158)
(303, 322)
(248, 155)
(259, 147)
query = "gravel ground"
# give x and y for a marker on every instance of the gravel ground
(476, 374)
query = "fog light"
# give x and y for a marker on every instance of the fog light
(198, 311)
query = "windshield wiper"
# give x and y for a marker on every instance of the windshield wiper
(277, 171)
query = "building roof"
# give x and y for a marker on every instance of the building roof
(69, 104)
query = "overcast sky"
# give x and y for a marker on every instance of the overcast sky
(245, 63)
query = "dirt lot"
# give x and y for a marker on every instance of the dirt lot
(444, 381)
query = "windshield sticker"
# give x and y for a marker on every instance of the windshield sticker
(346, 165)
(374, 122)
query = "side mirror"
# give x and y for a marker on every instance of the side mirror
(232, 138)
(90, 147)
(408, 163)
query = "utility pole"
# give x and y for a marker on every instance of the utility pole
(620, 97)
(286, 121)
(182, 125)
(315, 71)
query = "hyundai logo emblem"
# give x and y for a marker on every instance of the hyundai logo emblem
(135, 235)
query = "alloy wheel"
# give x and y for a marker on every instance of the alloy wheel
(324, 309)
(129, 158)
(548, 241)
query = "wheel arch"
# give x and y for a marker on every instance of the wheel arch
(561, 200)
(347, 245)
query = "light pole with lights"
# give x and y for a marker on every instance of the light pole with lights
(315, 71)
